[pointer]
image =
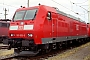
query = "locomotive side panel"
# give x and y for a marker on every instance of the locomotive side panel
(63, 26)
(39, 28)
(84, 29)
(76, 27)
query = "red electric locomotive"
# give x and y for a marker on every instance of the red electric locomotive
(43, 28)
(4, 27)
(88, 24)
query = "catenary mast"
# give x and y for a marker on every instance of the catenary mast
(28, 4)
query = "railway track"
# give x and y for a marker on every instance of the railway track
(37, 57)
(3, 46)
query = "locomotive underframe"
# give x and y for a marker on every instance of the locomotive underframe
(2, 38)
(21, 44)
(27, 46)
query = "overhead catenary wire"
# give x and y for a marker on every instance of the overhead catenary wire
(78, 5)
(8, 5)
(5, 14)
(82, 2)
(67, 8)
(64, 6)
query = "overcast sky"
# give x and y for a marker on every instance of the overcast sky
(66, 6)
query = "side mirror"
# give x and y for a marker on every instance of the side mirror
(49, 16)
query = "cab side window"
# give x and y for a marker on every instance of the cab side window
(49, 15)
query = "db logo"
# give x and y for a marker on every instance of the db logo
(20, 27)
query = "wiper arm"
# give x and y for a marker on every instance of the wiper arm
(34, 15)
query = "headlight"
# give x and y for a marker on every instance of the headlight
(11, 34)
(30, 35)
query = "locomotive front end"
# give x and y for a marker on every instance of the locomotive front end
(21, 30)
(21, 35)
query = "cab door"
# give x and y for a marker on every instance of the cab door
(54, 24)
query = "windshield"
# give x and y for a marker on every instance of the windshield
(25, 15)
(19, 15)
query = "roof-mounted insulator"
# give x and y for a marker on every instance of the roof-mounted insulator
(23, 6)
(39, 4)
(88, 23)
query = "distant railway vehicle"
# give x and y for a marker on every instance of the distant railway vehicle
(42, 28)
(88, 25)
(4, 27)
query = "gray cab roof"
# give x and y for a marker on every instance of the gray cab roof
(68, 15)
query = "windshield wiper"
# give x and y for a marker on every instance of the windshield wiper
(34, 15)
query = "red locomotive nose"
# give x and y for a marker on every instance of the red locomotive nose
(21, 30)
